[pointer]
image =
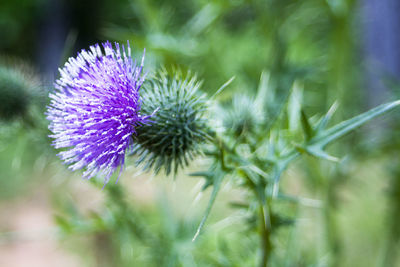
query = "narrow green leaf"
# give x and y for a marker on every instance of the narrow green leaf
(294, 107)
(324, 121)
(307, 128)
(262, 91)
(316, 151)
(252, 168)
(216, 187)
(223, 87)
(337, 131)
(200, 174)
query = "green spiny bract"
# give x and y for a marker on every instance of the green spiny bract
(178, 126)
(16, 92)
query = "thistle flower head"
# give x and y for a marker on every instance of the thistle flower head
(178, 127)
(95, 109)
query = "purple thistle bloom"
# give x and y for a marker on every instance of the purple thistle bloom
(95, 109)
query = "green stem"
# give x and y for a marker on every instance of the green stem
(264, 204)
(264, 222)
(390, 254)
(265, 236)
(330, 223)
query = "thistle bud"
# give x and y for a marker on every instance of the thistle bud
(242, 116)
(16, 91)
(177, 128)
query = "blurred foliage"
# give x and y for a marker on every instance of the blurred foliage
(220, 39)
(147, 236)
(17, 27)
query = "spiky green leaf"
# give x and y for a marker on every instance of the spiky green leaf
(325, 137)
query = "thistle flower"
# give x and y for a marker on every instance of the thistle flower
(178, 127)
(95, 109)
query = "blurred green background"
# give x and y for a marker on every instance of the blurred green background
(338, 49)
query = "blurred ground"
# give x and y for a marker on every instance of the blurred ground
(29, 233)
(30, 236)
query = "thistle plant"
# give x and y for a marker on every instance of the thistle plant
(97, 112)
